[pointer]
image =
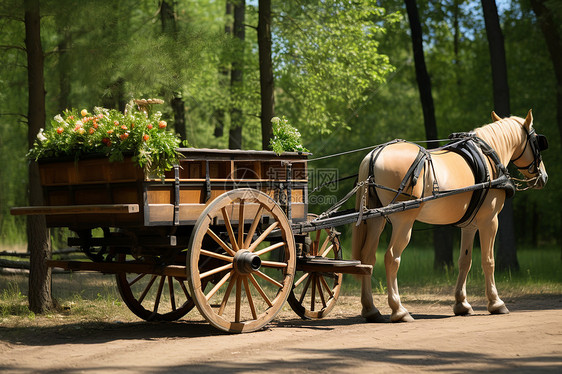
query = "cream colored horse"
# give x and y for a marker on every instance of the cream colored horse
(509, 137)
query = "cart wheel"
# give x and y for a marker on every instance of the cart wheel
(314, 295)
(154, 297)
(251, 279)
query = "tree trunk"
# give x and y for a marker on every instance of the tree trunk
(442, 235)
(506, 257)
(169, 26)
(236, 78)
(422, 77)
(38, 244)
(220, 114)
(266, 72)
(549, 28)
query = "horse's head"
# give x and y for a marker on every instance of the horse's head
(529, 160)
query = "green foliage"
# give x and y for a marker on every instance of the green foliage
(286, 138)
(112, 134)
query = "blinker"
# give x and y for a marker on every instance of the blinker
(542, 142)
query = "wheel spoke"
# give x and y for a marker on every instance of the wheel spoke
(218, 285)
(301, 279)
(313, 293)
(273, 264)
(216, 255)
(263, 236)
(182, 285)
(241, 224)
(268, 278)
(216, 270)
(238, 299)
(320, 292)
(249, 296)
(159, 294)
(229, 229)
(137, 278)
(316, 243)
(325, 253)
(171, 289)
(306, 285)
(253, 228)
(147, 288)
(270, 248)
(326, 287)
(227, 294)
(260, 290)
(220, 242)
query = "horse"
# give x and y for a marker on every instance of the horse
(387, 167)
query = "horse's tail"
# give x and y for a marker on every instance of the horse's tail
(360, 250)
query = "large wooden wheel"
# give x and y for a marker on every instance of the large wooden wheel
(154, 297)
(315, 294)
(253, 268)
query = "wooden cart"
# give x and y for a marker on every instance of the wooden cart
(216, 233)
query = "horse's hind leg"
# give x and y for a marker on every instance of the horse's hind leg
(462, 307)
(487, 234)
(401, 233)
(366, 239)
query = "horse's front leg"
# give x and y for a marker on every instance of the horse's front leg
(462, 307)
(366, 239)
(487, 238)
(401, 233)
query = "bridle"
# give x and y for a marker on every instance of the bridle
(537, 143)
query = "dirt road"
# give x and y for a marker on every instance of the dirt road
(527, 340)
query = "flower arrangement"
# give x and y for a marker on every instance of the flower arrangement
(112, 134)
(286, 138)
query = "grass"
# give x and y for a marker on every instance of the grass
(93, 297)
(540, 273)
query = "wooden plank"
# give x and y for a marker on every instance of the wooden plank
(334, 267)
(76, 209)
(118, 267)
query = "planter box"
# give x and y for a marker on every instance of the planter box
(179, 198)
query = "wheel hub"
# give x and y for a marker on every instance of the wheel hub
(246, 262)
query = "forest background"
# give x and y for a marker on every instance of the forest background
(343, 74)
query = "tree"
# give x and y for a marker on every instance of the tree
(266, 72)
(551, 31)
(442, 237)
(506, 257)
(37, 233)
(169, 27)
(237, 76)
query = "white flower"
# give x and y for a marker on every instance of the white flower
(275, 120)
(59, 119)
(41, 136)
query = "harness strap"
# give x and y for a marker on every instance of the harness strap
(413, 172)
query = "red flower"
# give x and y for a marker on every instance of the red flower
(162, 124)
(59, 130)
(106, 141)
(110, 131)
(149, 126)
(123, 127)
(92, 130)
(124, 136)
(145, 137)
(116, 123)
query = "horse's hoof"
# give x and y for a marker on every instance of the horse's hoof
(375, 318)
(501, 309)
(463, 309)
(402, 316)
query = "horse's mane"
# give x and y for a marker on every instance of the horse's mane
(502, 135)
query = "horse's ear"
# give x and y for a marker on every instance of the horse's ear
(528, 120)
(495, 117)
